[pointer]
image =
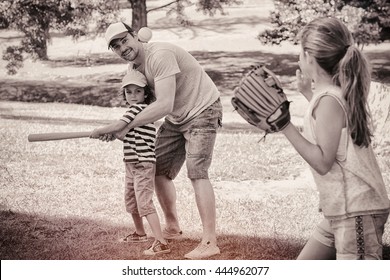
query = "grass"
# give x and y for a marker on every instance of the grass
(64, 199)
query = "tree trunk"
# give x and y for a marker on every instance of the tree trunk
(41, 49)
(139, 14)
(38, 43)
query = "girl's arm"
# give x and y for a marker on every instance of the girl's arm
(330, 119)
(108, 129)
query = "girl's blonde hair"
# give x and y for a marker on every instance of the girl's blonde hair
(330, 42)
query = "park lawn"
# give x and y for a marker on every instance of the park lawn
(64, 199)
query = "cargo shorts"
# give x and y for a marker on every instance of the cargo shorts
(192, 142)
(139, 188)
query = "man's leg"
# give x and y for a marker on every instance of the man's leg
(170, 156)
(166, 194)
(205, 200)
(200, 137)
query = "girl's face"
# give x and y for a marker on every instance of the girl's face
(134, 94)
(304, 64)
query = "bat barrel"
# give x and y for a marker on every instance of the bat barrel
(56, 136)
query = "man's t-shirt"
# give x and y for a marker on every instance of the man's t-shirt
(195, 90)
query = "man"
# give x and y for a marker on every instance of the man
(189, 100)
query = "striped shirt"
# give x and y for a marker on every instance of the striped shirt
(139, 142)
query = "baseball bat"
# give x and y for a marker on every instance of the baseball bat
(56, 136)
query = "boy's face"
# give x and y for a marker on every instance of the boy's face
(127, 47)
(134, 94)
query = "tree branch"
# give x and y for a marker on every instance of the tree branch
(163, 6)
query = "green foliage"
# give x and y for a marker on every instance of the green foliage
(368, 20)
(35, 19)
(208, 7)
(14, 56)
(211, 7)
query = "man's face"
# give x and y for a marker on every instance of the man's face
(126, 47)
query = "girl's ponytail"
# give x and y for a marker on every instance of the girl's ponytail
(354, 78)
(330, 42)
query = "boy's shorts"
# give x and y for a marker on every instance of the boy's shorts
(354, 238)
(192, 142)
(139, 188)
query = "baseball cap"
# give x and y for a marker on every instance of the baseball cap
(115, 31)
(134, 77)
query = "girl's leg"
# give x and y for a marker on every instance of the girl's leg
(315, 250)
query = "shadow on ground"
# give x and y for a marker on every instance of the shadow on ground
(218, 26)
(34, 237)
(225, 69)
(222, 66)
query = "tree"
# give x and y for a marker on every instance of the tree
(36, 18)
(208, 7)
(368, 20)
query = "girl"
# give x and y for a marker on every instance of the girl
(337, 145)
(140, 159)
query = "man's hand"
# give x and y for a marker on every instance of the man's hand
(121, 134)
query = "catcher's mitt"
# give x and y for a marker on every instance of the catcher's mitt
(260, 100)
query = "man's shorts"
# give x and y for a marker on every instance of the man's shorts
(354, 238)
(139, 188)
(192, 142)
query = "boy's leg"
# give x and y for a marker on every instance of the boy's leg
(154, 223)
(138, 224)
(144, 183)
(131, 201)
(160, 245)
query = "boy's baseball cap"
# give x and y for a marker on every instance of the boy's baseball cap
(115, 31)
(134, 77)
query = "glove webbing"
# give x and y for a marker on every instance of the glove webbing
(248, 93)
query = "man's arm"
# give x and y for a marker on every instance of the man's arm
(165, 91)
(108, 129)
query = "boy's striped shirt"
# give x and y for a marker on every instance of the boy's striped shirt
(139, 142)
